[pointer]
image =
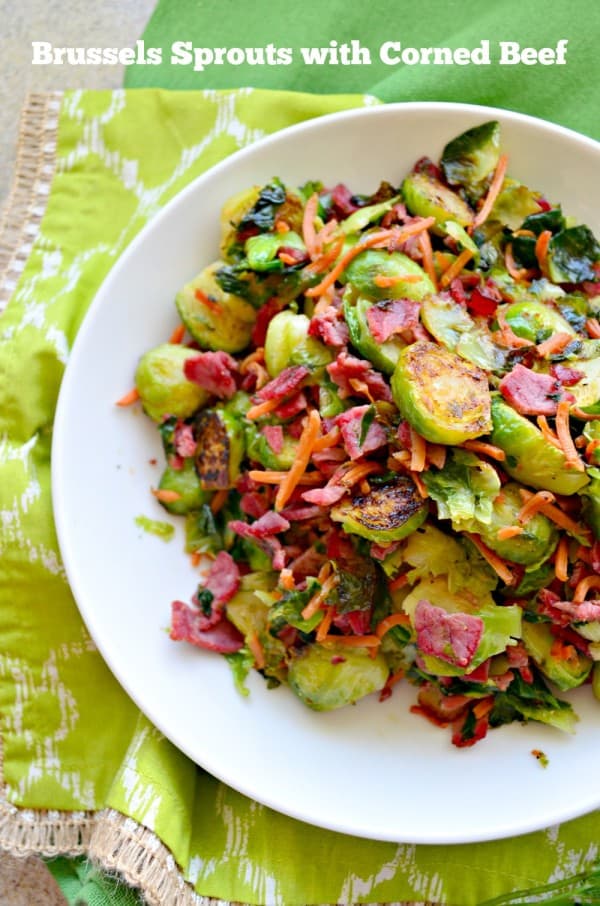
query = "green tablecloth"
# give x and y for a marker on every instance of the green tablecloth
(72, 739)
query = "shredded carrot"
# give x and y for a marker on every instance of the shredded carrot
(508, 336)
(547, 431)
(541, 250)
(529, 233)
(436, 455)
(442, 260)
(319, 597)
(479, 446)
(286, 259)
(494, 190)
(584, 586)
(323, 261)
(394, 619)
(517, 273)
(281, 226)
(398, 582)
(325, 624)
(418, 451)
(576, 412)
(423, 492)
(553, 344)
(383, 281)
(326, 234)
(497, 564)
(257, 356)
(261, 409)
(308, 225)
(533, 504)
(455, 268)
(207, 301)
(305, 445)
(219, 500)
(591, 449)
(553, 513)
(129, 398)
(286, 579)
(177, 335)
(358, 471)
(196, 557)
(483, 707)
(353, 641)
(165, 496)
(390, 682)
(269, 476)
(563, 651)
(561, 560)
(379, 237)
(509, 531)
(428, 265)
(592, 325)
(327, 440)
(563, 431)
(257, 651)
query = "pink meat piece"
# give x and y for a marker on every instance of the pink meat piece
(347, 368)
(381, 551)
(300, 513)
(214, 371)
(342, 200)
(350, 424)
(567, 376)
(269, 524)
(329, 327)
(184, 442)
(292, 407)
(354, 622)
(453, 637)
(222, 581)
(392, 316)
(584, 612)
(529, 392)
(307, 563)
(253, 504)
(326, 496)
(287, 382)
(222, 636)
(274, 437)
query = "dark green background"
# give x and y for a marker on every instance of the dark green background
(569, 94)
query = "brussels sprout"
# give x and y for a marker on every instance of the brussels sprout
(232, 213)
(367, 214)
(462, 238)
(591, 502)
(572, 254)
(383, 355)
(216, 319)
(470, 158)
(426, 196)
(445, 399)
(261, 251)
(533, 546)
(163, 388)
(259, 449)
(288, 343)
(564, 673)
(596, 681)
(514, 202)
(453, 327)
(535, 321)
(367, 265)
(552, 220)
(330, 403)
(587, 390)
(387, 513)
(186, 483)
(220, 448)
(530, 458)
(335, 676)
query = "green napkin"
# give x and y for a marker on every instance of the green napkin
(565, 93)
(72, 739)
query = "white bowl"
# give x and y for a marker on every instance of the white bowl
(374, 770)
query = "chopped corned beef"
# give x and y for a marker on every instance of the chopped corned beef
(354, 622)
(292, 407)
(350, 424)
(269, 524)
(453, 637)
(183, 440)
(264, 317)
(566, 376)
(220, 585)
(214, 371)
(349, 372)
(329, 328)
(343, 201)
(530, 392)
(274, 437)
(326, 496)
(583, 612)
(300, 513)
(253, 504)
(287, 382)
(392, 316)
(222, 636)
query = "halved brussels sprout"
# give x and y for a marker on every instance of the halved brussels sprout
(530, 458)
(445, 399)
(259, 449)
(536, 321)
(387, 513)
(514, 202)
(426, 196)
(371, 263)
(383, 355)
(163, 387)
(587, 390)
(186, 483)
(572, 254)
(288, 343)
(470, 158)
(533, 546)
(216, 319)
(220, 449)
(564, 673)
(453, 327)
(325, 678)
(367, 214)
(261, 251)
